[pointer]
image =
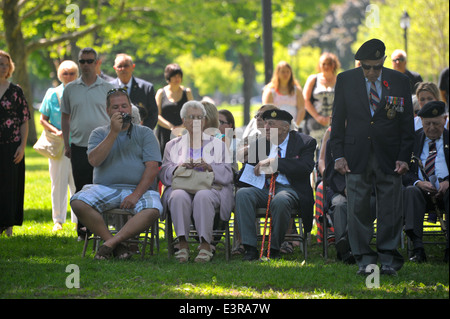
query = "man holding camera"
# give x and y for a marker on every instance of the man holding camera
(125, 158)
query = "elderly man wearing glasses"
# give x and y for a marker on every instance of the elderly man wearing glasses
(372, 139)
(83, 108)
(113, 148)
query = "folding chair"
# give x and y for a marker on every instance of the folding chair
(301, 236)
(220, 227)
(431, 230)
(113, 222)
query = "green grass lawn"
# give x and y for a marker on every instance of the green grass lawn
(33, 265)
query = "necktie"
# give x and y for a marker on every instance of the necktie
(374, 98)
(279, 152)
(431, 159)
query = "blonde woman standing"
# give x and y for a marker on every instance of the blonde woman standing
(319, 95)
(285, 92)
(60, 169)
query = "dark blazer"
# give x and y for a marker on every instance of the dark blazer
(297, 166)
(142, 94)
(413, 174)
(354, 131)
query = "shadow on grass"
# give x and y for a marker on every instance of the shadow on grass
(34, 266)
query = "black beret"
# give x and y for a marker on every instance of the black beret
(277, 115)
(432, 109)
(371, 50)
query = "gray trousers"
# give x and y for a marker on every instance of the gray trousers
(389, 213)
(415, 205)
(250, 198)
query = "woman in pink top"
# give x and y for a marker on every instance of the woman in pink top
(284, 92)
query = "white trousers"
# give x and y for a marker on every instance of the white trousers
(61, 177)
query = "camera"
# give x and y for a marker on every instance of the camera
(126, 119)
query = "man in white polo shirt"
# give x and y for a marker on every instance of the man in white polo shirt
(83, 109)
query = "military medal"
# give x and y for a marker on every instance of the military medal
(394, 104)
(391, 113)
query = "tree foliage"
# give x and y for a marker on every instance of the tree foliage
(428, 35)
(40, 34)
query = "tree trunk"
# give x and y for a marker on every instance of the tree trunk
(249, 74)
(17, 50)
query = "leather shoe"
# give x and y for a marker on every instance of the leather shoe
(388, 270)
(275, 254)
(251, 253)
(418, 255)
(362, 271)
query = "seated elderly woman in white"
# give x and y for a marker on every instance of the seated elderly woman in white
(202, 152)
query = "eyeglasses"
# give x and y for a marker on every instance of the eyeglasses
(69, 73)
(223, 122)
(195, 117)
(117, 90)
(368, 67)
(88, 61)
(398, 60)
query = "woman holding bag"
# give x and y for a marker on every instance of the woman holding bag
(201, 152)
(14, 116)
(60, 168)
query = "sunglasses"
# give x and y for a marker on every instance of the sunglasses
(117, 90)
(88, 61)
(398, 60)
(69, 73)
(368, 67)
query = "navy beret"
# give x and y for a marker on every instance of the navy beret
(432, 109)
(277, 115)
(371, 50)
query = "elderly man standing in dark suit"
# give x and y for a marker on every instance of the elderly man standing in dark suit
(141, 92)
(290, 155)
(372, 138)
(427, 188)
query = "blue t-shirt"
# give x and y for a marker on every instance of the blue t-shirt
(125, 164)
(51, 105)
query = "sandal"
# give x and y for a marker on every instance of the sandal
(238, 251)
(104, 253)
(182, 255)
(287, 248)
(122, 252)
(203, 256)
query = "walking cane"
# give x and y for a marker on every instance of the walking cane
(271, 194)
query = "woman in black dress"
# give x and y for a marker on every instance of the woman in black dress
(14, 116)
(170, 99)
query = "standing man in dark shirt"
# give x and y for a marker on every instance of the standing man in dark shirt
(399, 64)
